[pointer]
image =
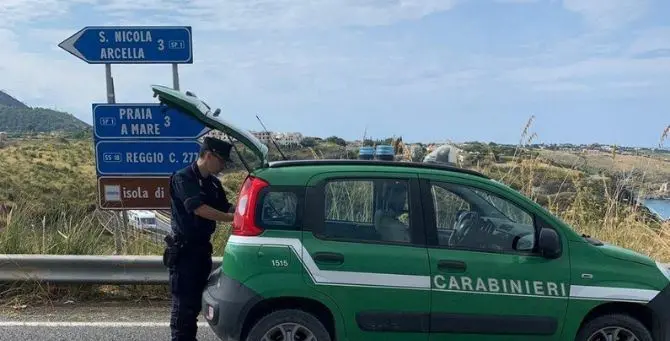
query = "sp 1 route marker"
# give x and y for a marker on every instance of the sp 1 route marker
(131, 45)
(144, 120)
(144, 157)
(140, 192)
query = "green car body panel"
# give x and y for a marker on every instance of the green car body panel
(330, 261)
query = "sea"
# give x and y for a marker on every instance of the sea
(660, 207)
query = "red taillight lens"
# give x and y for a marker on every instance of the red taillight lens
(244, 220)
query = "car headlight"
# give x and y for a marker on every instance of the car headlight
(664, 270)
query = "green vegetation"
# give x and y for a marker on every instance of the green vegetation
(54, 175)
(18, 118)
(25, 120)
(9, 101)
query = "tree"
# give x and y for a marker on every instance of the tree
(336, 140)
(308, 142)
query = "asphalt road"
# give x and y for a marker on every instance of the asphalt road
(141, 321)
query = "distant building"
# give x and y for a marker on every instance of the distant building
(288, 139)
(263, 136)
(3, 136)
(282, 139)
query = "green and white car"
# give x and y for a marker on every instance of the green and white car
(374, 250)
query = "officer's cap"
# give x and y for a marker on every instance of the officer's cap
(218, 147)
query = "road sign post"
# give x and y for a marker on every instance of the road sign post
(111, 98)
(136, 147)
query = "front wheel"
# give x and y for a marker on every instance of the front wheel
(614, 327)
(289, 325)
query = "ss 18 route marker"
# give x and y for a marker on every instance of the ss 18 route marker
(131, 45)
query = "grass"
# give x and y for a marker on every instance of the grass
(591, 203)
(47, 205)
(77, 232)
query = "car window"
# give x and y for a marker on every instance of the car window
(279, 210)
(475, 219)
(349, 201)
(369, 209)
(507, 208)
(446, 204)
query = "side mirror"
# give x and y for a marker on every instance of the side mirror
(549, 243)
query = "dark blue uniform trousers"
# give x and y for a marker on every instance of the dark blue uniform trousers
(188, 279)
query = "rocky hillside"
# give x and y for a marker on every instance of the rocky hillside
(16, 117)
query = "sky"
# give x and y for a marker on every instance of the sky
(587, 71)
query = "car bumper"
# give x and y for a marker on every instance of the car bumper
(225, 305)
(660, 305)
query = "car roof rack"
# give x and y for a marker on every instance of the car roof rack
(358, 162)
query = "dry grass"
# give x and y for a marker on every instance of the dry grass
(589, 203)
(51, 185)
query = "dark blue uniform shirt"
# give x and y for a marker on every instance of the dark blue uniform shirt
(188, 190)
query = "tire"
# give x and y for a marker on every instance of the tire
(611, 321)
(272, 322)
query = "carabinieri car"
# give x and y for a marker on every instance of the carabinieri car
(363, 250)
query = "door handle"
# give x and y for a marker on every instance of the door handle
(329, 257)
(446, 265)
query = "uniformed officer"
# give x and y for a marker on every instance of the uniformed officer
(198, 202)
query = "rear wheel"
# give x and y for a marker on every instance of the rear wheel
(289, 325)
(614, 327)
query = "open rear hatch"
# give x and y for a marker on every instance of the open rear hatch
(189, 104)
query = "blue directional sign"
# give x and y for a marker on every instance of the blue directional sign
(131, 45)
(144, 121)
(144, 157)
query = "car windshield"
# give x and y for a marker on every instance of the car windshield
(500, 206)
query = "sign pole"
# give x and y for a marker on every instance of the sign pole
(111, 99)
(175, 76)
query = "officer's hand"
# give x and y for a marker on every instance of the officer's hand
(211, 213)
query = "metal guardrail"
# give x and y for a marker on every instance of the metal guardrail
(86, 269)
(71, 269)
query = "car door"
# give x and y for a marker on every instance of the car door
(364, 247)
(489, 281)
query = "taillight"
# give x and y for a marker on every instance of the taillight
(244, 220)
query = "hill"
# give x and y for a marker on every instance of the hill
(38, 120)
(9, 101)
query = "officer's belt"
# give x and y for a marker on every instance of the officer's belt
(178, 241)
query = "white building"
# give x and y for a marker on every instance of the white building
(3, 136)
(282, 139)
(288, 139)
(263, 136)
